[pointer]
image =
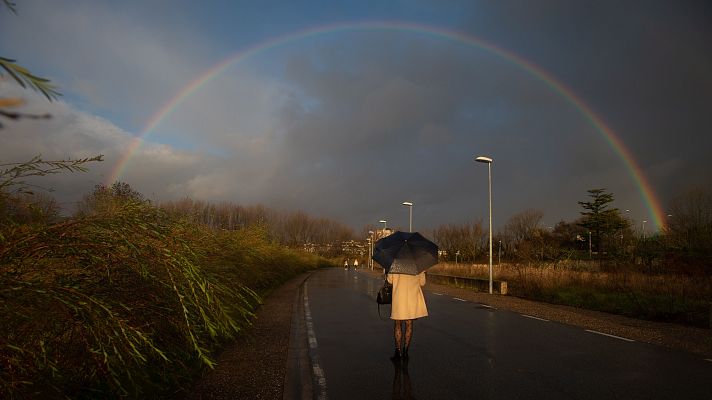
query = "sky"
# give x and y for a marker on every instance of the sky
(345, 109)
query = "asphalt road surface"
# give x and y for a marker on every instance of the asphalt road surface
(466, 350)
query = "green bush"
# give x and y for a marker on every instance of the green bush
(126, 302)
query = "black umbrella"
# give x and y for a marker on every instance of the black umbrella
(405, 253)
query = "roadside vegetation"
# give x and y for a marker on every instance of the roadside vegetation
(599, 261)
(677, 298)
(124, 298)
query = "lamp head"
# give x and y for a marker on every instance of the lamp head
(483, 159)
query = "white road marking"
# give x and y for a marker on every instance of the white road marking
(316, 366)
(533, 317)
(437, 294)
(310, 323)
(485, 306)
(613, 336)
(459, 299)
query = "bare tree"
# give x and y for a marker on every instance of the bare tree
(468, 238)
(523, 226)
(295, 229)
(523, 236)
(689, 230)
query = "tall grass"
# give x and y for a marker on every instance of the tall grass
(126, 302)
(666, 297)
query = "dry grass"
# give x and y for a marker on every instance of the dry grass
(665, 297)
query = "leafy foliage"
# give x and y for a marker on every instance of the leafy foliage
(105, 199)
(13, 175)
(15, 102)
(599, 219)
(123, 300)
(127, 300)
(11, 5)
(26, 79)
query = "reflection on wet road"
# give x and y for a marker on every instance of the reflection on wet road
(466, 351)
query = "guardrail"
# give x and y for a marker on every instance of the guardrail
(477, 284)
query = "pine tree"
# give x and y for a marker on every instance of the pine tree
(598, 218)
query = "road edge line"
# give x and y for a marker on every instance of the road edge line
(533, 317)
(318, 375)
(609, 335)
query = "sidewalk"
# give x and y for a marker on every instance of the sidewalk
(254, 366)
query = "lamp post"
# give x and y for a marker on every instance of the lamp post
(384, 222)
(589, 245)
(488, 161)
(410, 213)
(644, 221)
(457, 253)
(623, 226)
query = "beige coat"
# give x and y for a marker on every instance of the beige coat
(408, 300)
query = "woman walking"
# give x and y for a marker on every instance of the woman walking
(408, 305)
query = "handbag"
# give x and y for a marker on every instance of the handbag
(385, 294)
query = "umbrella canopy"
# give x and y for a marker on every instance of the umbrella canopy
(405, 253)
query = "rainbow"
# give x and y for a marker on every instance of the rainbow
(646, 191)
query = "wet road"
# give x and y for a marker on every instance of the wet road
(465, 350)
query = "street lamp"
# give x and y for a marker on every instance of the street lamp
(488, 161)
(623, 229)
(644, 221)
(383, 221)
(410, 218)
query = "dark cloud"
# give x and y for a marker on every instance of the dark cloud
(404, 121)
(350, 124)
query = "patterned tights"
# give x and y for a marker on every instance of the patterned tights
(398, 332)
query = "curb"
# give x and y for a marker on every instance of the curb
(298, 377)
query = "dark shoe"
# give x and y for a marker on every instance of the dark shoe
(396, 355)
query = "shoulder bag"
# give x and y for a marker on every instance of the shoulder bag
(385, 295)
